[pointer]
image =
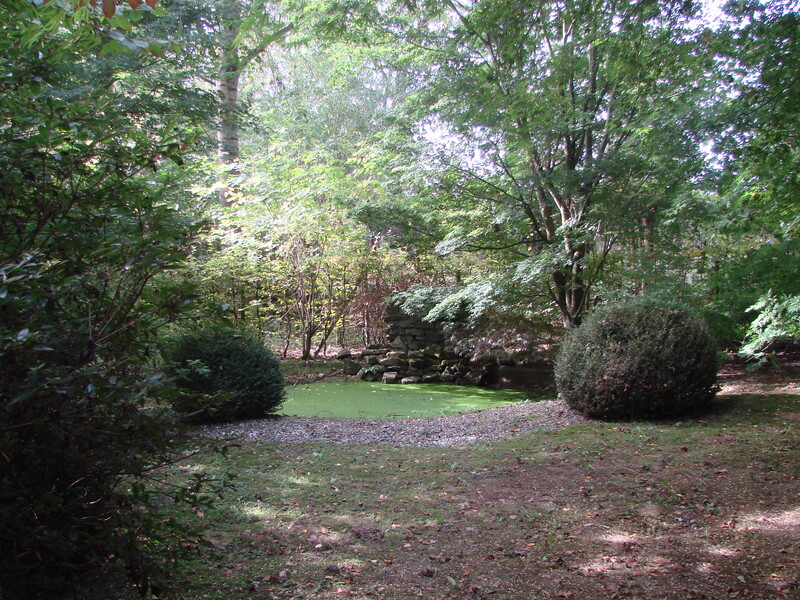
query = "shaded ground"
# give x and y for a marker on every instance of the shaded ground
(707, 508)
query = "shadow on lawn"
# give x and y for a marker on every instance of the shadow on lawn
(702, 508)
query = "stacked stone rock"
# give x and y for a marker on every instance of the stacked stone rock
(418, 353)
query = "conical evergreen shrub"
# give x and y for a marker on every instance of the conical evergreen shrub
(223, 375)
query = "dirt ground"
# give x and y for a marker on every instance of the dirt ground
(707, 508)
(623, 511)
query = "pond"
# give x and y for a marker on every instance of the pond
(378, 401)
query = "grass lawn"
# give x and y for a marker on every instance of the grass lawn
(705, 508)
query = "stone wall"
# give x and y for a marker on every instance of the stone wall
(419, 352)
(407, 333)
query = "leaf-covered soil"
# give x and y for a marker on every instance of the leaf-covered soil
(703, 508)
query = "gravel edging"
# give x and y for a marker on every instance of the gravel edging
(451, 430)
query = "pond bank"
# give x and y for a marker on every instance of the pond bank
(451, 430)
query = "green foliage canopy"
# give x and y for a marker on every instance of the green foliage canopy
(755, 237)
(561, 131)
(91, 241)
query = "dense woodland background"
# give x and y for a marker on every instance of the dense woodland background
(290, 166)
(518, 161)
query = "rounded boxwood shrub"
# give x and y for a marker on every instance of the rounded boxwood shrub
(223, 375)
(638, 359)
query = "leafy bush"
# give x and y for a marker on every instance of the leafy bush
(778, 320)
(638, 359)
(90, 246)
(224, 375)
(84, 462)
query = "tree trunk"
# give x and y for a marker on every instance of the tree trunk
(228, 127)
(569, 290)
(570, 287)
(308, 341)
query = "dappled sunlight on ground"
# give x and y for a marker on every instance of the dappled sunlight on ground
(786, 522)
(715, 550)
(700, 509)
(261, 511)
(625, 539)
